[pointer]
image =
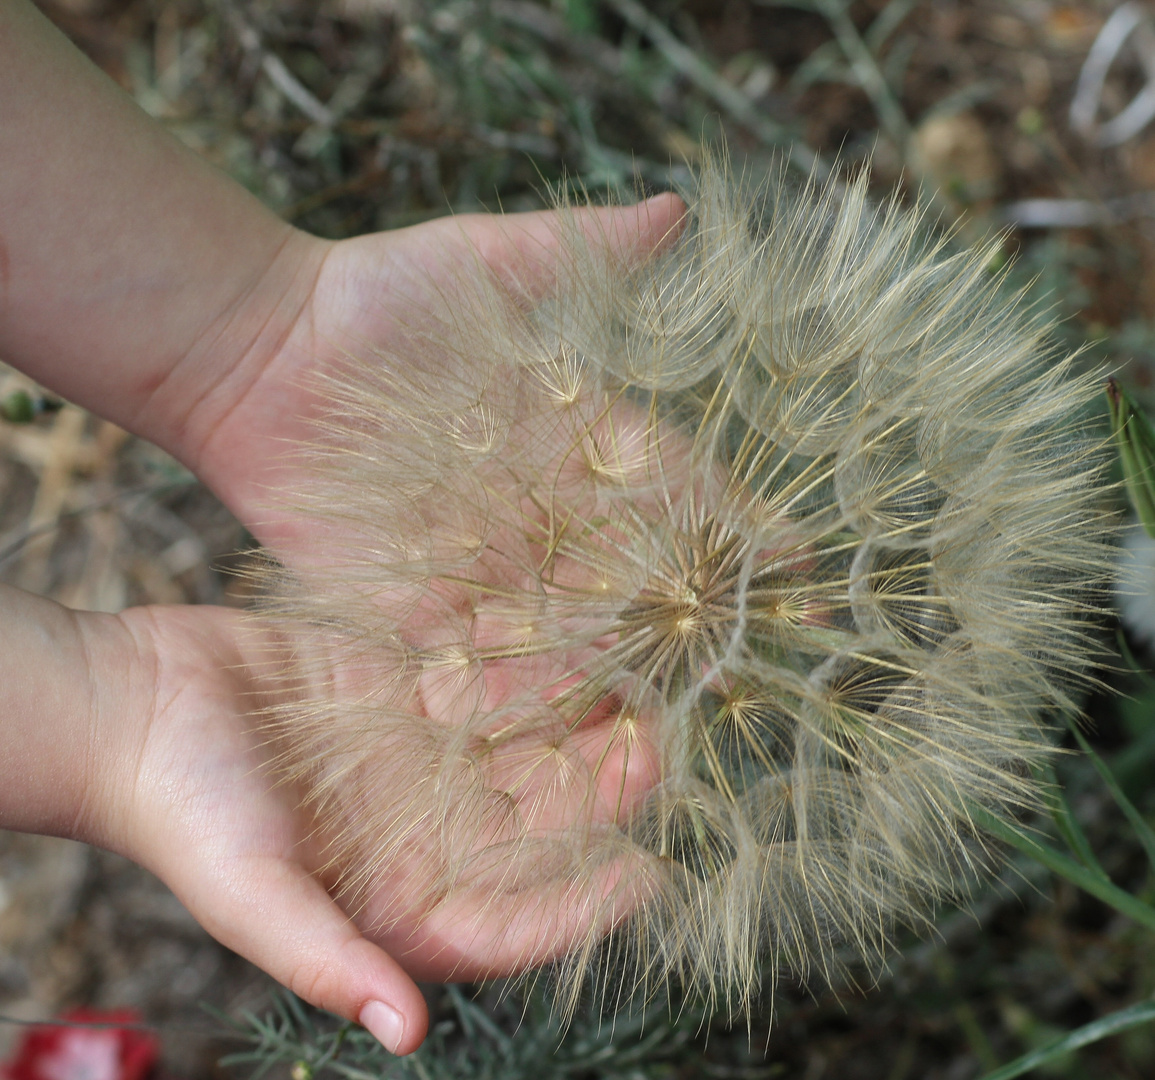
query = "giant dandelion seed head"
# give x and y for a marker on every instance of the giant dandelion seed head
(706, 598)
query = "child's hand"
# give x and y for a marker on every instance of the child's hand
(320, 302)
(232, 850)
(142, 284)
(171, 773)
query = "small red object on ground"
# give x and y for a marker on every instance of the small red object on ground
(85, 1053)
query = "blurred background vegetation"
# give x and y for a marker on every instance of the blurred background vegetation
(1028, 117)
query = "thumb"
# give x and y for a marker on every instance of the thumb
(275, 914)
(522, 249)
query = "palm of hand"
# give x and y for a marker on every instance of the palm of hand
(239, 852)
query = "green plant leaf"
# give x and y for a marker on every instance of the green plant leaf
(18, 407)
(1135, 440)
(1141, 1013)
(1068, 826)
(1067, 867)
(1138, 822)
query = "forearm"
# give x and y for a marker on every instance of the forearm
(128, 265)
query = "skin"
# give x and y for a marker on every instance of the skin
(142, 284)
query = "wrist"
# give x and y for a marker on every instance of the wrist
(113, 726)
(65, 700)
(240, 363)
(137, 276)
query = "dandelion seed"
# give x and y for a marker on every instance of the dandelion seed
(707, 600)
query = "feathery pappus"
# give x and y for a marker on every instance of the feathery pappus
(678, 622)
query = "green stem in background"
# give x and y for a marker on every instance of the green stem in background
(724, 94)
(1067, 824)
(1132, 663)
(1067, 867)
(1135, 440)
(1089, 876)
(866, 71)
(1142, 830)
(1141, 1013)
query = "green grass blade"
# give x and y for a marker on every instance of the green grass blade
(1135, 441)
(1138, 823)
(1132, 663)
(1137, 470)
(1069, 868)
(1133, 1016)
(1068, 826)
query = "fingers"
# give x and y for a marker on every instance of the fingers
(522, 250)
(488, 932)
(198, 810)
(275, 914)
